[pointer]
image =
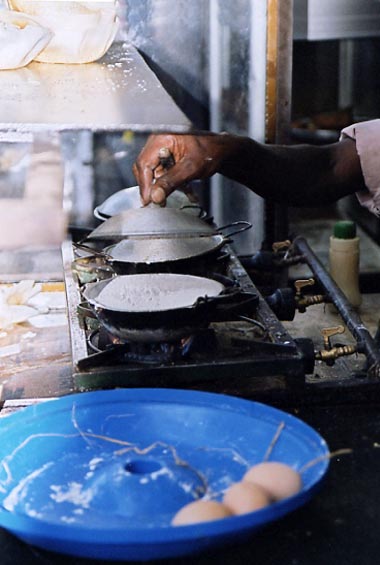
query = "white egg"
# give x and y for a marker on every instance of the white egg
(278, 479)
(200, 511)
(244, 497)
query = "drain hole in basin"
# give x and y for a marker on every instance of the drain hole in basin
(142, 467)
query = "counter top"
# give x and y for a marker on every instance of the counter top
(35, 358)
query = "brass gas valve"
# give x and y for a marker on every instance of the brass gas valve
(302, 302)
(279, 246)
(330, 353)
(284, 254)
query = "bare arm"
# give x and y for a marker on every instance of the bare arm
(297, 175)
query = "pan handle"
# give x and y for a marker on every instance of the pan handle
(167, 161)
(228, 297)
(202, 213)
(85, 310)
(93, 251)
(244, 227)
(105, 268)
(166, 158)
(237, 303)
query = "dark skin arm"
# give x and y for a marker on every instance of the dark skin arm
(296, 175)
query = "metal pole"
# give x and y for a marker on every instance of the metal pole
(366, 344)
(278, 100)
(215, 99)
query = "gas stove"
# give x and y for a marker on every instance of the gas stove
(247, 342)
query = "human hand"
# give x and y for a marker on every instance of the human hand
(194, 156)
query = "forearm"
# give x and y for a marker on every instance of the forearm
(296, 175)
(299, 175)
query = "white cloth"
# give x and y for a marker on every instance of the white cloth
(367, 137)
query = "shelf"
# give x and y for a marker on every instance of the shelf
(119, 92)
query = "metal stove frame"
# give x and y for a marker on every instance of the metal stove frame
(280, 356)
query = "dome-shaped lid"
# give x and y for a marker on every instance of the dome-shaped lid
(151, 221)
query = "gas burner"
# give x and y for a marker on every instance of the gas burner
(107, 347)
(157, 335)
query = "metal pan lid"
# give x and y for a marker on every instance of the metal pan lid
(151, 221)
(128, 198)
